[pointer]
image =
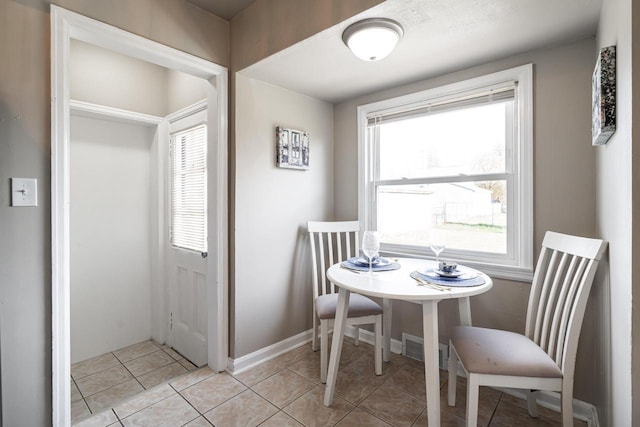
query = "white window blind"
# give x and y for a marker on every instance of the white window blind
(188, 153)
(438, 106)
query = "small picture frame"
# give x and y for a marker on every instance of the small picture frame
(603, 86)
(292, 148)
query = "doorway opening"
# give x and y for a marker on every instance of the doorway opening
(212, 279)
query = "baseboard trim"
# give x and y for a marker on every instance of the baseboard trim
(241, 364)
(369, 338)
(551, 400)
(248, 361)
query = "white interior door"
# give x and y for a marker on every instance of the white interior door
(187, 268)
(188, 312)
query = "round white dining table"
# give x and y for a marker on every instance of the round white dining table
(398, 284)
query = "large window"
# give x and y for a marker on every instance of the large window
(188, 154)
(456, 160)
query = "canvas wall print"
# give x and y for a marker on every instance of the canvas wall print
(603, 114)
(292, 148)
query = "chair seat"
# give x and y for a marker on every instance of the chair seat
(359, 306)
(497, 352)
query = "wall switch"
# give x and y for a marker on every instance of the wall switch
(24, 192)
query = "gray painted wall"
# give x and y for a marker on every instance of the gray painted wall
(272, 295)
(262, 29)
(564, 180)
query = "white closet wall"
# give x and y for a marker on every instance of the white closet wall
(110, 235)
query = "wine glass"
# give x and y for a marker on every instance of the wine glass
(370, 246)
(437, 244)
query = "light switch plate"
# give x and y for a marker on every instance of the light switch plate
(24, 192)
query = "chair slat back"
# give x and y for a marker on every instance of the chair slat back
(559, 292)
(331, 242)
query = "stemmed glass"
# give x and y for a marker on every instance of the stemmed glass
(437, 244)
(370, 246)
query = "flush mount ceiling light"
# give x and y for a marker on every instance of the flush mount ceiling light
(372, 39)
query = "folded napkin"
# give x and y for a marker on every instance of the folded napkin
(361, 264)
(466, 280)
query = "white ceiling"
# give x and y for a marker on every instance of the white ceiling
(441, 36)
(226, 9)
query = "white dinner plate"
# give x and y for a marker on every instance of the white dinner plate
(454, 273)
(364, 261)
(434, 272)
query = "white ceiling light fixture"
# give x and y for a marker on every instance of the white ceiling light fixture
(372, 39)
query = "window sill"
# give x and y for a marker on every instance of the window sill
(507, 272)
(495, 271)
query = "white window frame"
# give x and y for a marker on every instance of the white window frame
(517, 264)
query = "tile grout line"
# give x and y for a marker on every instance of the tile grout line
(264, 379)
(155, 403)
(376, 389)
(200, 414)
(78, 388)
(377, 417)
(146, 373)
(282, 368)
(97, 372)
(117, 417)
(299, 397)
(420, 414)
(87, 405)
(495, 409)
(131, 373)
(138, 357)
(151, 372)
(279, 410)
(108, 388)
(139, 410)
(287, 404)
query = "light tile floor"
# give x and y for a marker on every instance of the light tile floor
(286, 391)
(100, 382)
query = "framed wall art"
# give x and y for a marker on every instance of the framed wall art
(292, 148)
(603, 86)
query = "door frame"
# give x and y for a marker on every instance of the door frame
(67, 25)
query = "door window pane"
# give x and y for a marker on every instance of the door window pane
(189, 189)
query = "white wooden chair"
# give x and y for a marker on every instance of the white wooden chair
(544, 357)
(332, 242)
